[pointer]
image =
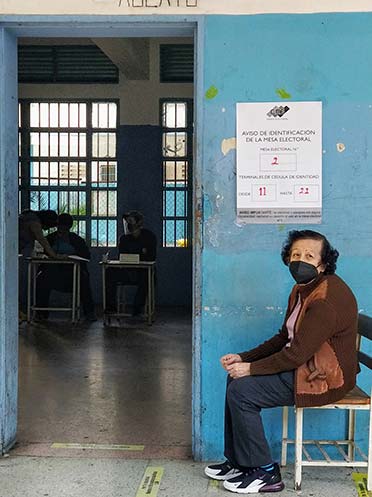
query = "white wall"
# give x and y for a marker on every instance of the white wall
(139, 100)
(181, 7)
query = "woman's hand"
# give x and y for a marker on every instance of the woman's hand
(238, 370)
(228, 359)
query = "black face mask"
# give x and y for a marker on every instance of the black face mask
(302, 272)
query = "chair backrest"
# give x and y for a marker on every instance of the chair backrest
(365, 330)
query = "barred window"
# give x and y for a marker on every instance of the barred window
(68, 163)
(176, 122)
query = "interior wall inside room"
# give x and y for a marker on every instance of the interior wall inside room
(139, 149)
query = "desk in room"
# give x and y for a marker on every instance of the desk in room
(149, 266)
(33, 265)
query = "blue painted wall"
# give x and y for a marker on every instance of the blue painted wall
(140, 187)
(245, 284)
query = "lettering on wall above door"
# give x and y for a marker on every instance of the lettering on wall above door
(151, 4)
(171, 7)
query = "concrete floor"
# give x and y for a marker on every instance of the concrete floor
(132, 385)
(107, 385)
(71, 477)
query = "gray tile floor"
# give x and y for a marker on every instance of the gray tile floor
(71, 477)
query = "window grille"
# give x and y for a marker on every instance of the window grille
(177, 63)
(68, 163)
(65, 64)
(176, 122)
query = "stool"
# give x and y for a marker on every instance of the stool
(121, 301)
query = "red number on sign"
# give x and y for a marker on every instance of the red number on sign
(262, 191)
(304, 191)
(275, 161)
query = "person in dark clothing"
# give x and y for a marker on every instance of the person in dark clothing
(30, 229)
(135, 240)
(59, 277)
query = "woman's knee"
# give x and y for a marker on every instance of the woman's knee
(239, 389)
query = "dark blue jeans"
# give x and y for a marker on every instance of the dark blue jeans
(245, 442)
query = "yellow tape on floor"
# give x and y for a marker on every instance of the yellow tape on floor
(360, 480)
(213, 485)
(97, 446)
(150, 482)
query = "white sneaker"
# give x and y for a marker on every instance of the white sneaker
(222, 471)
(256, 481)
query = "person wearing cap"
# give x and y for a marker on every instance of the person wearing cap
(59, 277)
(135, 240)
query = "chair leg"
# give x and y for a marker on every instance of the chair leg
(298, 447)
(369, 453)
(284, 436)
(120, 299)
(147, 307)
(351, 435)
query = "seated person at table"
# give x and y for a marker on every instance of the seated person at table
(59, 276)
(135, 240)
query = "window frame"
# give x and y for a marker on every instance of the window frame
(25, 159)
(188, 158)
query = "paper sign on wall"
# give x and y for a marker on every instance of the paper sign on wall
(279, 162)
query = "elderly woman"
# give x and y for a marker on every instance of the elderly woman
(312, 361)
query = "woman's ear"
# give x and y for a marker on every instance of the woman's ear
(322, 267)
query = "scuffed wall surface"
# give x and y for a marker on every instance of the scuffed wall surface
(245, 284)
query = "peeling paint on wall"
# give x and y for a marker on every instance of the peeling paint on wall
(220, 228)
(211, 93)
(283, 93)
(245, 284)
(224, 310)
(228, 144)
(340, 147)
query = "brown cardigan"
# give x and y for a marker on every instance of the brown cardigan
(323, 350)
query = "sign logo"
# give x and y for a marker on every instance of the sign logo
(278, 111)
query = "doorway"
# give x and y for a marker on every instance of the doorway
(88, 348)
